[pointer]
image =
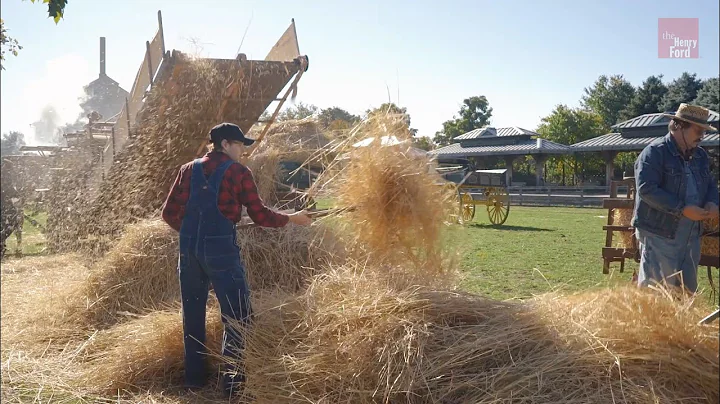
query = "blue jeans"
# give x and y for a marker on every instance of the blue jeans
(227, 276)
(674, 261)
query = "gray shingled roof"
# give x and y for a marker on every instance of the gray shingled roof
(486, 132)
(656, 119)
(616, 142)
(534, 146)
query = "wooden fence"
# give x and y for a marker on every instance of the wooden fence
(586, 196)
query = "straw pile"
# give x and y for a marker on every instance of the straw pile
(173, 126)
(295, 140)
(623, 217)
(355, 336)
(144, 353)
(138, 275)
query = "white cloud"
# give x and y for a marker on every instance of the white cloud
(60, 86)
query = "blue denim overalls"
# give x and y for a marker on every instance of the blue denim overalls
(661, 258)
(209, 253)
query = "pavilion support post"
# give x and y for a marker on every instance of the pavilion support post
(509, 161)
(609, 159)
(540, 160)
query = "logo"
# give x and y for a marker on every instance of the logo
(678, 38)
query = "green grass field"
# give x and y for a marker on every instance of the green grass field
(537, 250)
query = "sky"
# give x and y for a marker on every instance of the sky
(526, 57)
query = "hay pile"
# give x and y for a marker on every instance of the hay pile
(294, 140)
(356, 336)
(144, 353)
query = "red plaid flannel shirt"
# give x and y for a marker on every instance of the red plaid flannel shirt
(238, 188)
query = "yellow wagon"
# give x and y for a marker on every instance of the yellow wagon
(477, 187)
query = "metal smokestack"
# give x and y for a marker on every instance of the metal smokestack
(102, 56)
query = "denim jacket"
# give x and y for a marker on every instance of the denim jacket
(660, 183)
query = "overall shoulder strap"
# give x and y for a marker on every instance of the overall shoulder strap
(217, 177)
(197, 180)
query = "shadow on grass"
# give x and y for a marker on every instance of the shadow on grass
(508, 228)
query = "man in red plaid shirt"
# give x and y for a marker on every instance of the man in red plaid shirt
(204, 204)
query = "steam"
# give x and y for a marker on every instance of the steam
(53, 100)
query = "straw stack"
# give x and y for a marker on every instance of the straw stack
(355, 336)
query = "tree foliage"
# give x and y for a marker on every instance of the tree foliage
(709, 95)
(475, 112)
(647, 99)
(56, 10)
(336, 118)
(607, 97)
(683, 89)
(10, 143)
(298, 111)
(392, 108)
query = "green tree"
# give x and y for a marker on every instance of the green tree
(10, 143)
(298, 111)
(647, 98)
(334, 116)
(56, 9)
(424, 143)
(475, 112)
(607, 97)
(392, 108)
(568, 126)
(709, 95)
(683, 89)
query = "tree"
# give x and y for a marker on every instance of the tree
(683, 89)
(647, 98)
(607, 97)
(475, 113)
(709, 95)
(56, 9)
(335, 117)
(298, 111)
(569, 126)
(423, 143)
(11, 143)
(7, 44)
(391, 108)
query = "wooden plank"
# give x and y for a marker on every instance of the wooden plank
(612, 252)
(618, 228)
(618, 203)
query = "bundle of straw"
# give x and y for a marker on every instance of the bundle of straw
(710, 245)
(397, 205)
(623, 217)
(355, 337)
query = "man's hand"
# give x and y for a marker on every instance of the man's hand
(300, 218)
(695, 213)
(713, 210)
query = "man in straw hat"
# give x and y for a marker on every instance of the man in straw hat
(204, 205)
(675, 193)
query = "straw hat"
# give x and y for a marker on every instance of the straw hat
(693, 114)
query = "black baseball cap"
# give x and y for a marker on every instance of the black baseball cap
(229, 131)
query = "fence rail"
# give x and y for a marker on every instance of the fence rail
(587, 196)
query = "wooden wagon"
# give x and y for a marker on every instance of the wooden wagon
(477, 187)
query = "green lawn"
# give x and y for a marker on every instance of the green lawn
(33, 241)
(537, 250)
